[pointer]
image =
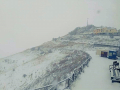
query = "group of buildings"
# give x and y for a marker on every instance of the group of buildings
(106, 30)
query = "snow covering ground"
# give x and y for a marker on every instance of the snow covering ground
(96, 76)
(22, 70)
(38, 66)
(12, 77)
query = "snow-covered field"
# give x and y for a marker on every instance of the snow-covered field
(96, 76)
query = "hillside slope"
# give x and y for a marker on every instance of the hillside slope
(52, 61)
(40, 66)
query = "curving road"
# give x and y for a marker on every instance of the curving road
(96, 76)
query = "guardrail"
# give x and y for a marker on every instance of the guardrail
(105, 45)
(68, 81)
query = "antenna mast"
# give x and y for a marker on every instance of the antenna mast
(87, 21)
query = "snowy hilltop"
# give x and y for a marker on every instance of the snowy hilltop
(81, 30)
(50, 62)
(90, 30)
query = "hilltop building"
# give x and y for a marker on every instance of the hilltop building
(105, 30)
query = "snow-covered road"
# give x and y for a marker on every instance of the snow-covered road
(96, 76)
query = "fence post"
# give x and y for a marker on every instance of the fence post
(87, 63)
(79, 71)
(73, 77)
(68, 82)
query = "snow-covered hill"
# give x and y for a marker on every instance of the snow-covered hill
(52, 61)
(40, 66)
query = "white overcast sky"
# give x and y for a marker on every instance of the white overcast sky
(28, 23)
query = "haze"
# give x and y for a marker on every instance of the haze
(29, 23)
